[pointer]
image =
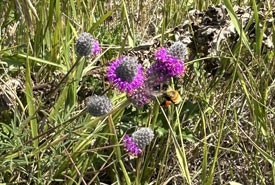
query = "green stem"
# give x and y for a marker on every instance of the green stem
(117, 149)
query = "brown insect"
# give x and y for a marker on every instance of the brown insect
(171, 96)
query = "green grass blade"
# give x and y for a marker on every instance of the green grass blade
(42, 61)
(131, 34)
(212, 170)
(205, 149)
(31, 109)
(180, 151)
(237, 25)
(117, 150)
(100, 21)
(259, 36)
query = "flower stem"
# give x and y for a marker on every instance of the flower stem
(114, 141)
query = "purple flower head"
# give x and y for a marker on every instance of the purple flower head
(160, 72)
(178, 50)
(166, 66)
(85, 45)
(126, 74)
(99, 105)
(96, 48)
(130, 146)
(139, 139)
(163, 71)
(161, 54)
(140, 96)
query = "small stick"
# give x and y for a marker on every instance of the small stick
(72, 161)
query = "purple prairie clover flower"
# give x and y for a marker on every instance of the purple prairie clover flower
(125, 74)
(143, 137)
(166, 66)
(161, 54)
(178, 50)
(164, 70)
(130, 146)
(96, 48)
(140, 96)
(99, 105)
(139, 139)
(85, 45)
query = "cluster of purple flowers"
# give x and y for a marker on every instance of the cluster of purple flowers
(127, 75)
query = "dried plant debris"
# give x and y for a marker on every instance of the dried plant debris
(245, 13)
(8, 93)
(211, 28)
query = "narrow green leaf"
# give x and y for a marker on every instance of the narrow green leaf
(128, 24)
(31, 104)
(259, 37)
(237, 25)
(42, 61)
(100, 21)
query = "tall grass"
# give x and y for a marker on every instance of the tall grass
(222, 132)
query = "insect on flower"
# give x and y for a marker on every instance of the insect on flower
(171, 96)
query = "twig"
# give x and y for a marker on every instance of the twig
(72, 161)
